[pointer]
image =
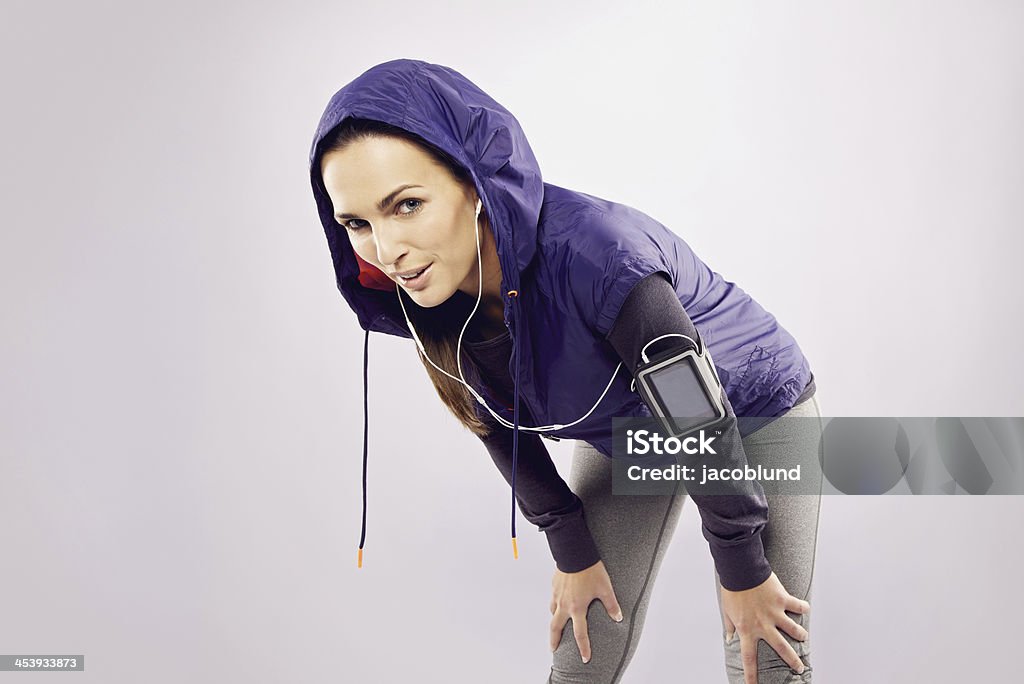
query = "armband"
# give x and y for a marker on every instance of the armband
(681, 388)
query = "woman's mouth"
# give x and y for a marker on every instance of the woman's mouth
(416, 281)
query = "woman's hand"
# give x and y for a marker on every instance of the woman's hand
(572, 593)
(759, 613)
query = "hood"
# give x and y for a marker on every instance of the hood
(443, 107)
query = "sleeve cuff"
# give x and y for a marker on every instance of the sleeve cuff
(572, 545)
(741, 565)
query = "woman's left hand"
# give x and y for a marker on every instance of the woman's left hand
(571, 596)
(759, 613)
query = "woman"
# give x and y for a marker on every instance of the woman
(525, 301)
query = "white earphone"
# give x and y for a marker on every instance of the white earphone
(458, 347)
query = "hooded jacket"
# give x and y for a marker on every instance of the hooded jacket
(568, 262)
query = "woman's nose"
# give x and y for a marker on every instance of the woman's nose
(390, 244)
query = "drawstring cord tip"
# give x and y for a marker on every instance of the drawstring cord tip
(515, 549)
(360, 560)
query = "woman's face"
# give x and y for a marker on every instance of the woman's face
(399, 229)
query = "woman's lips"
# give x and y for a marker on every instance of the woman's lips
(417, 283)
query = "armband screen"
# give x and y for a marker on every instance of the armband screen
(682, 390)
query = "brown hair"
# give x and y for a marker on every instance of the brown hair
(439, 329)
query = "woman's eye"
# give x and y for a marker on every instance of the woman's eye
(414, 209)
(359, 225)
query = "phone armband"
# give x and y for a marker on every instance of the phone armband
(682, 389)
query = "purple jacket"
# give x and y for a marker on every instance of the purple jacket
(572, 257)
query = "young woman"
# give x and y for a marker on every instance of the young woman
(525, 301)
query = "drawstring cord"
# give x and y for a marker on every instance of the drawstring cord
(366, 424)
(514, 295)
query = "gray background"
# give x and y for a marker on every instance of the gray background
(181, 381)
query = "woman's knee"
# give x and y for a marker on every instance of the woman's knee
(611, 648)
(771, 668)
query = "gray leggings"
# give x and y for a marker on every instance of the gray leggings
(633, 532)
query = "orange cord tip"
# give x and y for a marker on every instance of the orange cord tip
(360, 562)
(515, 549)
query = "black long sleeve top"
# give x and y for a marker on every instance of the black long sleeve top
(731, 524)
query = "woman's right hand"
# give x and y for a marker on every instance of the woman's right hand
(572, 593)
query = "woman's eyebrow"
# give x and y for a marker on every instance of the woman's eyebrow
(383, 204)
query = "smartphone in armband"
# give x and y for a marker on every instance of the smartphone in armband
(682, 389)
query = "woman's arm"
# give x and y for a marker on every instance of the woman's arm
(543, 496)
(730, 523)
(547, 502)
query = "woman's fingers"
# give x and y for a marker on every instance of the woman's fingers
(762, 618)
(573, 593)
(795, 605)
(557, 625)
(785, 651)
(793, 629)
(579, 628)
(611, 605)
(729, 627)
(748, 654)
(748, 650)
